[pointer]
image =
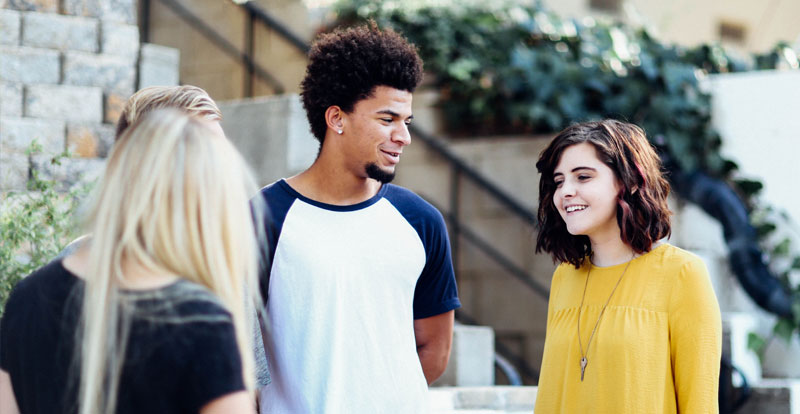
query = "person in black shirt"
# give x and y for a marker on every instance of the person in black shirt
(193, 101)
(149, 314)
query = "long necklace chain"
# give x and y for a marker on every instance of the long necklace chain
(584, 360)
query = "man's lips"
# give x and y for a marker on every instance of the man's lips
(392, 156)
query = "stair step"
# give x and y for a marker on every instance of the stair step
(475, 400)
(774, 396)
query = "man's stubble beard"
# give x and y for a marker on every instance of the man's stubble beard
(376, 173)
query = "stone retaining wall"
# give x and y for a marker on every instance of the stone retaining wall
(66, 70)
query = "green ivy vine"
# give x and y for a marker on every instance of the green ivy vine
(504, 67)
(35, 225)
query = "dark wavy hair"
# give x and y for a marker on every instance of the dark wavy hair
(642, 212)
(346, 65)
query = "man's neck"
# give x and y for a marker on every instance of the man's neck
(331, 183)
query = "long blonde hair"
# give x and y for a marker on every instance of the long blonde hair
(174, 198)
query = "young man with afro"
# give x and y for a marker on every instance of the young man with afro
(361, 291)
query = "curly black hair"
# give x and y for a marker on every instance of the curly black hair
(346, 65)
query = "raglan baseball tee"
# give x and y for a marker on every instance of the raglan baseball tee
(346, 284)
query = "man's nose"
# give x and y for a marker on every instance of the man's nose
(401, 135)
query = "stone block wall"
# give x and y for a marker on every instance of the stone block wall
(67, 67)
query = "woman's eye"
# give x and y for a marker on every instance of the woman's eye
(558, 183)
(584, 177)
(387, 120)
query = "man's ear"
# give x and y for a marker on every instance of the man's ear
(334, 118)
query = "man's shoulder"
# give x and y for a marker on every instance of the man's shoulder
(411, 204)
(276, 197)
(275, 189)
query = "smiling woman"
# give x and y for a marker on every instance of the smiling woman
(586, 193)
(644, 334)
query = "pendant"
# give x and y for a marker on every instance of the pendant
(584, 361)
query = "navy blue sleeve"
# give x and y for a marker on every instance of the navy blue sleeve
(276, 198)
(436, 290)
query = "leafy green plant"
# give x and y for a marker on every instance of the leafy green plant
(34, 225)
(504, 67)
(779, 238)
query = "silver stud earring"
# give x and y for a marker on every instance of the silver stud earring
(340, 132)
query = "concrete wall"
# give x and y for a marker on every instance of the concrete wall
(690, 23)
(272, 133)
(207, 66)
(756, 113)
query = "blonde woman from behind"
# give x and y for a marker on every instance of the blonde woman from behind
(151, 310)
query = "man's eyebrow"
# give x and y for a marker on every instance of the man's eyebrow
(393, 114)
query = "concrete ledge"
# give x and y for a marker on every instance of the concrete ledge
(54, 31)
(158, 66)
(29, 65)
(10, 23)
(13, 172)
(736, 326)
(505, 399)
(64, 102)
(71, 172)
(123, 11)
(110, 72)
(90, 140)
(47, 6)
(16, 135)
(774, 396)
(119, 39)
(471, 359)
(10, 99)
(272, 134)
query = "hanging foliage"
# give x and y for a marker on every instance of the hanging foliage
(503, 67)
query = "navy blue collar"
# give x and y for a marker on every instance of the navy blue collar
(333, 207)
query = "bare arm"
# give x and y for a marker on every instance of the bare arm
(237, 402)
(434, 337)
(8, 404)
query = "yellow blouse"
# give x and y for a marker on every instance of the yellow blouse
(657, 348)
